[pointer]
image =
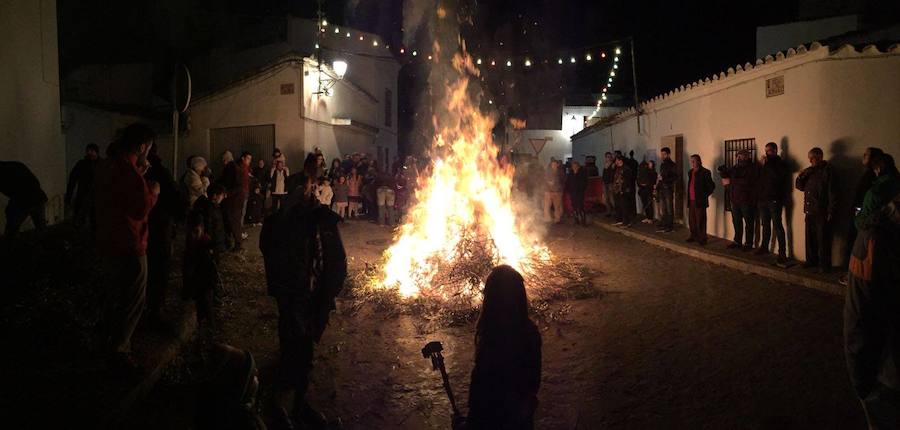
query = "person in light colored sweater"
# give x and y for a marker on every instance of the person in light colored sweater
(324, 192)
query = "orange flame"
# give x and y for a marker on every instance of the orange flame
(467, 191)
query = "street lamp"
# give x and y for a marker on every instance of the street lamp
(326, 82)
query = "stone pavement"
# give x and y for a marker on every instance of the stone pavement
(716, 252)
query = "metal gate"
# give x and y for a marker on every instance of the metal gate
(258, 140)
(732, 147)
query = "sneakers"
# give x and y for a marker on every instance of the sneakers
(618, 223)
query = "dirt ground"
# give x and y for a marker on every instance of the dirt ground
(671, 342)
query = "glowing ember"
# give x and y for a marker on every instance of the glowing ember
(463, 220)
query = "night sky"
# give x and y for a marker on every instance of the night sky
(675, 42)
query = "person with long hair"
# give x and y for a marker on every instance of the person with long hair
(507, 372)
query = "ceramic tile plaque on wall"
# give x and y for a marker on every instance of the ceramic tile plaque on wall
(775, 86)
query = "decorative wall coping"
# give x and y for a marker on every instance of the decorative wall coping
(769, 64)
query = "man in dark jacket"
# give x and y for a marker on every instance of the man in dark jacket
(771, 194)
(609, 173)
(236, 179)
(623, 187)
(576, 184)
(81, 186)
(872, 301)
(700, 187)
(741, 179)
(169, 209)
(26, 198)
(305, 270)
(590, 166)
(817, 184)
(124, 201)
(646, 180)
(665, 191)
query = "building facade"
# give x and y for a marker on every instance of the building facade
(292, 102)
(29, 110)
(842, 101)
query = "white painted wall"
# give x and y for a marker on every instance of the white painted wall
(84, 124)
(841, 102)
(29, 96)
(303, 120)
(558, 142)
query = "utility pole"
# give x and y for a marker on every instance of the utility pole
(634, 77)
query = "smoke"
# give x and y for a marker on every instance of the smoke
(417, 16)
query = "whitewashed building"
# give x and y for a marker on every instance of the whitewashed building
(556, 143)
(841, 100)
(282, 101)
(29, 90)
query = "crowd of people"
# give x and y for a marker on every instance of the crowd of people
(135, 208)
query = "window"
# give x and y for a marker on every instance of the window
(388, 108)
(732, 147)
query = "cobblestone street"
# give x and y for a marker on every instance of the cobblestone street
(669, 342)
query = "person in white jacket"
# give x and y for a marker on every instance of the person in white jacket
(193, 183)
(324, 192)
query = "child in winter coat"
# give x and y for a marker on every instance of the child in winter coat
(255, 204)
(341, 197)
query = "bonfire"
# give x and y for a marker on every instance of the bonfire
(464, 219)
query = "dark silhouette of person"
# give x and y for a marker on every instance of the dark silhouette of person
(168, 210)
(507, 372)
(872, 301)
(26, 197)
(700, 187)
(305, 267)
(80, 188)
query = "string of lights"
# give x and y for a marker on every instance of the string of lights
(586, 55)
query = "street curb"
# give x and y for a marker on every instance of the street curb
(743, 266)
(184, 327)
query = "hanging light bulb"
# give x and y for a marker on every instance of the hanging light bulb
(374, 43)
(559, 61)
(615, 66)
(348, 34)
(602, 55)
(527, 63)
(613, 73)
(588, 57)
(478, 61)
(490, 102)
(572, 60)
(618, 51)
(415, 53)
(360, 38)
(402, 50)
(610, 81)
(429, 57)
(604, 97)
(616, 59)
(317, 46)
(324, 22)
(508, 63)
(337, 30)
(493, 63)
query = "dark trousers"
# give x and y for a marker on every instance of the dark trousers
(646, 195)
(159, 263)
(625, 208)
(697, 221)
(769, 218)
(871, 327)
(277, 201)
(742, 217)
(667, 208)
(578, 207)
(16, 214)
(127, 289)
(296, 342)
(818, 240)
(232, 210)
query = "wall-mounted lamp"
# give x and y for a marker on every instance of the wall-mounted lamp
(326, 82)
